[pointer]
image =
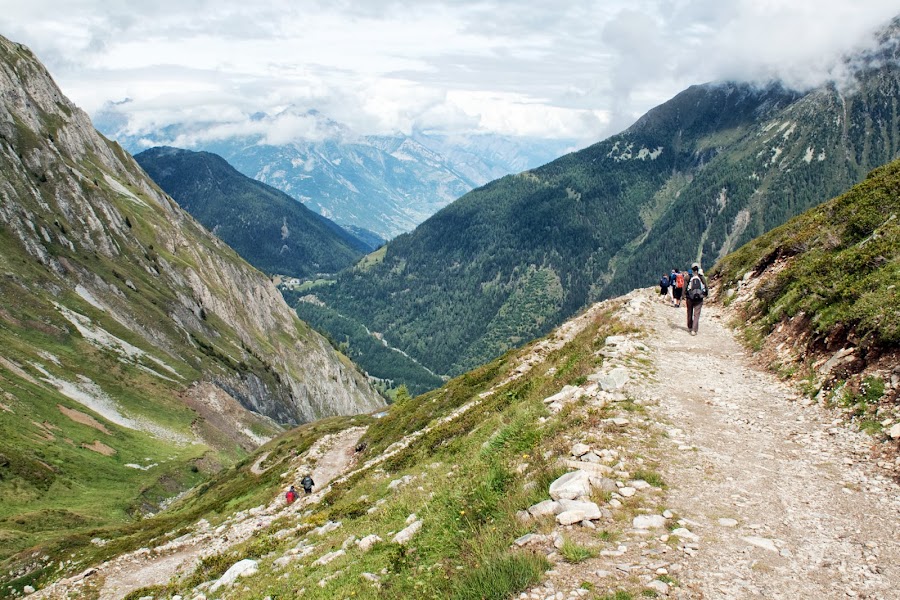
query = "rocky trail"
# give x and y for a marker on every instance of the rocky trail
(328, 458)
(765, 494)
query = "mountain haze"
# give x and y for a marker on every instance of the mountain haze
(135, 343)
(268, 228)
(385, 184)
(691, 180)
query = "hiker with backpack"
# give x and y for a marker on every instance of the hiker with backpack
(291, 495)
(664, 286)
(307, 483)
(695, 293)
(679, 288)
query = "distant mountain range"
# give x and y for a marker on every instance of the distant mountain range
(383, 184)
(268, 228)
(140, 353)
(696, 177)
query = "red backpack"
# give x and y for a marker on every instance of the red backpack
(290, 496)
(679, 280)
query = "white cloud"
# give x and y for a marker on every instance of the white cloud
(581, 69)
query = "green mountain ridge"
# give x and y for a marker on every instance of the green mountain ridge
(140, 353)
(268, 228)
(693, 179)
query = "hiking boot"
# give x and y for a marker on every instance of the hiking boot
(693, 333)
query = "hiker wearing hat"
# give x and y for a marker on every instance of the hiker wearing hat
(695, 291)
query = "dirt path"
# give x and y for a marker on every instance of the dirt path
(328, 458)
(782, 495)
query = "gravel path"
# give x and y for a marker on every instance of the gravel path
(782, 495)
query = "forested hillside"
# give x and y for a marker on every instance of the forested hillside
(693, 179)
(268, 228)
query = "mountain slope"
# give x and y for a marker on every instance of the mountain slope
(268, 228)
(139, 351)
(828, 278)
(694, 178)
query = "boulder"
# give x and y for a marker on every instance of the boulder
(367, 542)
(685, 534)
(327, 558)
(590, 510)
(579, 450)
(571, 486)
(545, 508)
(649, 522)
(614, 380)
(894, 432)
(407, 534)
(570, 517)
(243, 568)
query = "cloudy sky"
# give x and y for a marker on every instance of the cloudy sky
(575, 69)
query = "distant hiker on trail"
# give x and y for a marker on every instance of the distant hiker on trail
(664, 286)
(307, 484)
(696, 291)
(291, 495)
(671, 289)
(679, 288)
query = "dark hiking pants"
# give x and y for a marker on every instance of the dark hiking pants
(693, 313)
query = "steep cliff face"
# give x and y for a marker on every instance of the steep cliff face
(85, 234)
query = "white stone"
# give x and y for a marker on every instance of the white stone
(28, 589)
(614, 380)
(761, 542)
(570, 517)
(627, 492)
(407, 534)
(571, 486)
(367, 542)
(649, 522)
(894, 432)
(580, 449)
(728, 522)
(590, 510)
(567, 394)
(639, 484)
(243, 568)
(411, 519)
(660, 587)
(619, 421)
(327, 558)
(545, 508)
(685, 534)
(590, 457)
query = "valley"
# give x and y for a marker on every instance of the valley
(495, 403)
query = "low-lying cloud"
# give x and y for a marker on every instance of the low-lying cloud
(580, 70)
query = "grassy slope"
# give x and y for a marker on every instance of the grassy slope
(842, 265)
(467, 489)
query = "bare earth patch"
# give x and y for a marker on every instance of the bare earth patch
(84, 419)
(100, 448)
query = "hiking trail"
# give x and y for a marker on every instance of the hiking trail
(766, 496)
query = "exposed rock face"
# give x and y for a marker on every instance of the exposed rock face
(84, 228)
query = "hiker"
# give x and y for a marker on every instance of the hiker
(291, 495)
(671, 289)
(307, 484)
(679, 288)
(693, 298)
(664, 286)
